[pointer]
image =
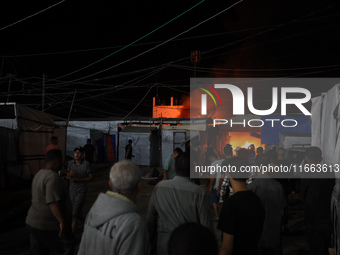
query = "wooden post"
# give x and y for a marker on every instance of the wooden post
(161, 141)
(69, 114)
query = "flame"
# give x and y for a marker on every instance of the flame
(244, 140)
(246, 145)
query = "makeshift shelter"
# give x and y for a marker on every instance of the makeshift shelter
(278, 134)
(103, 135)
(325, 135)
(154, 140)
(145, 144)
(25, 133)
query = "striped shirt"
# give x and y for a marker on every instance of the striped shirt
(82, 171)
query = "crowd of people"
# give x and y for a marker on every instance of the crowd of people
(249, 210)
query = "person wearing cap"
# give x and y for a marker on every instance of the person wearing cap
(78, 173)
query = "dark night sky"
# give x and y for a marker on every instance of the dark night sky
(258, 38)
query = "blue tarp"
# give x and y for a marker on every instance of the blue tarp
(270, 135)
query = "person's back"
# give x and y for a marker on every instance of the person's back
(173, 203)
(53, 145)
(110, 225)
(192, 239)
(272, 196)
(48, 219)
(128, 150)
(90, 151)
(317, 193)
(113, 225)
(242, 215)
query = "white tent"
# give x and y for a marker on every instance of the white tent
(35, 129)
(326, 135)
(78, 131)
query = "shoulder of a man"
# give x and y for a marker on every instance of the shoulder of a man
(47, 175)
(174, 184)
(53, 186)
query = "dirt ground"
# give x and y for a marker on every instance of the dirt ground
(14, 204)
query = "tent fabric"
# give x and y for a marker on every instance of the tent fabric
(168, 142)
(111, 148)
(28, 119)
(326, 135)
(271, 135)
(140, 147)
(316, 120)
(293, 140)
(8, 153)
(108, 127)
(76, 137)
(329, 123)
(35, 129)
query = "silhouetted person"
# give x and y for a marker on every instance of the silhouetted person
(317, 193)
(128, 150)
(79, 173)
(225, 188)
(90, 151)
(242, 215)
(175, 202)
(243, 153)
(251, 152)
(273, 199)
(48, 220)
(53, 145)
(169, 164)
(287, 183)
(214, 182)
(192, 239)
(259, 151)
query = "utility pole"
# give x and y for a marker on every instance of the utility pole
(43, 94)
(195, 59)
(9, 86)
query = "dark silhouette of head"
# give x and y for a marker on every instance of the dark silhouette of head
(192, 239)
(182, 164)
(313, 155)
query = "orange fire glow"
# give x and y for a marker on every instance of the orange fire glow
(172, 111)
(244, 140)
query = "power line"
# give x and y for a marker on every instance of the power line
(32, 15)
(138, 103)
(156, 42)
(132, 42)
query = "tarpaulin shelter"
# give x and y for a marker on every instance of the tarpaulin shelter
(325, 135)
(155, 139)
(102, 132)
(145, 144)
(270, 133)
(25, 133)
